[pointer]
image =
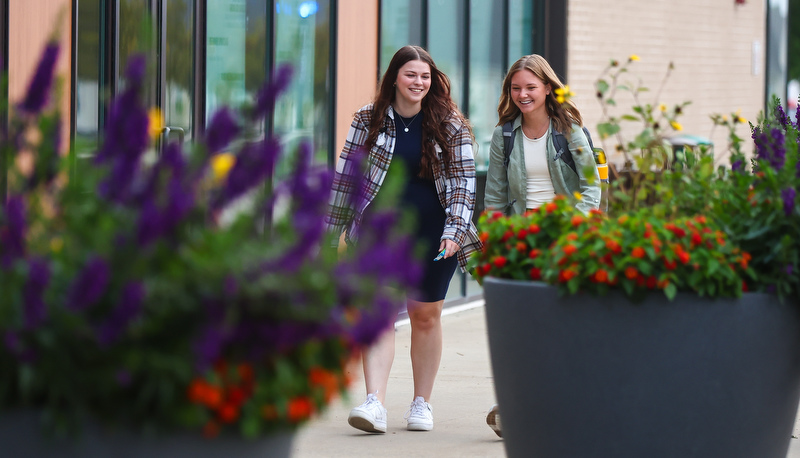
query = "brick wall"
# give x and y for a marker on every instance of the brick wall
(710, 42)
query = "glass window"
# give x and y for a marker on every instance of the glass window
(87, 84)
(398, 28)
(520, 30)
(446, 24)
(179, 66)
(302, 39)
(486, 72)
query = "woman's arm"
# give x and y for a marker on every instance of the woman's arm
(460, 187)
(496, 194)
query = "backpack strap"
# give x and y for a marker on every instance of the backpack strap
(508, 141)
(562, 148)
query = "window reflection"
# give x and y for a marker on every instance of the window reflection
(486, 72)
(447, 39)
(398, 29)
(302, 39)
(179, 65)
(87, 84)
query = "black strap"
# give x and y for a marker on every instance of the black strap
(508, 139)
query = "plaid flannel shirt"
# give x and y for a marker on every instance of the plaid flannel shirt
(456, 190)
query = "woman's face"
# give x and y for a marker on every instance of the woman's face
(528, 91)
(413, 82)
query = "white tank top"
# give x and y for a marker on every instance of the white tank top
(539, 185)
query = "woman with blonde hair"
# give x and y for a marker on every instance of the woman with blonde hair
(535, 170)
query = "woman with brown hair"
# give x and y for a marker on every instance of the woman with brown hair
(412, 121)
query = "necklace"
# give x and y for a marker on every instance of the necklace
(410, 122)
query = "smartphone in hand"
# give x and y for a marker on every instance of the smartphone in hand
(439, 256)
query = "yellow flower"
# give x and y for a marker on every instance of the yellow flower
(725, 118)
(662, 107)
(577, 195)
(741, 120)
(739, 117)
(633, 57)
(563, 94)
(221, 164)
(56, 244)
(676, 125)
(156, 122)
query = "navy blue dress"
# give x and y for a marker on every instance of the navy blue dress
(421, 198)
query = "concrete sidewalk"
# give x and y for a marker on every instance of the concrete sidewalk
(462, 396)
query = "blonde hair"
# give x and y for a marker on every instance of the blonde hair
(563, 115)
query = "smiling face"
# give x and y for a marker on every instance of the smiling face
(412, 84)
(528, 92)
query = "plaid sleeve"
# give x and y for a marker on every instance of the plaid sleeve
(340, 209)
(460, 186)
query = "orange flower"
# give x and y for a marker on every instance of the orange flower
(197, 390)
(534, 253)
(684, 257)
(566, 275)
(631, 272)
(622, 219)
(522, 247)
(550, 207)
(576, 220)
(324, 379)
(613, 246)
(483, 236)
(601, 276)
(572, 236)
(638, 252)
(300, 408)
(570, 249)
(534, 228)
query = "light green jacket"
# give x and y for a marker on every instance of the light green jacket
(504, 186)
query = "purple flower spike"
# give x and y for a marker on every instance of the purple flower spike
(129, 307)
(268, 95)
(12, 234)
(781, 115)
(39, 89)
(221, 130)
(90, 285)
(788, 196)
(33, 293)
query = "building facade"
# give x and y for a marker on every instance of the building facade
(209, 53)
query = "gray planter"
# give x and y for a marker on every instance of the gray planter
(21, 437)
(583, 376)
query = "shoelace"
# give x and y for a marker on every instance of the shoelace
(417, 408)
(372, 401)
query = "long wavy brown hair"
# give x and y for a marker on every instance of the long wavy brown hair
(437, 107)
(563, 115)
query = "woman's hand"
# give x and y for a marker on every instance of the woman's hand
(450, 247)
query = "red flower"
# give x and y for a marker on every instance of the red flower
(613, 246)
(299, 409)
(534, 228)
(550, 207)
(638, 252)
(652, 282)
(483, 236)
(228, 413)
(631, 272)
(576, 220)
(570, 249)
(499, 261)
(534, 253)
(670, 265)
(509, 233)
(697, 239)
(522, 233)
(565, 275)
(684, 257)
(536, 273)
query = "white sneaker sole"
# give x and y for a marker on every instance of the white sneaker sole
(365, 424)
(420, 426)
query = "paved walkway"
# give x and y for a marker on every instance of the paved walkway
(463, 394)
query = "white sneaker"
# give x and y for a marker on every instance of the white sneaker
(493, 420)
(369, 416)
(420, 415)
